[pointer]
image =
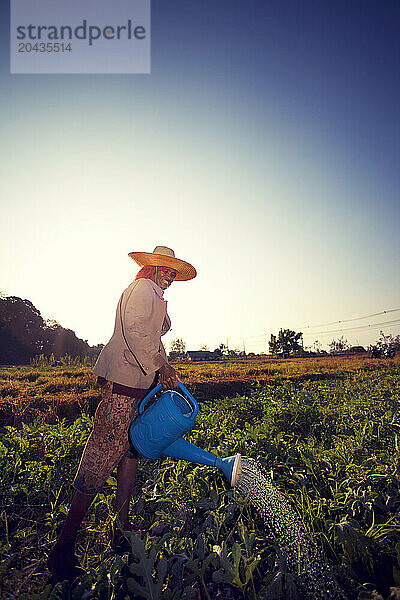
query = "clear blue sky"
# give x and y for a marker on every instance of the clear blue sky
(264, 148)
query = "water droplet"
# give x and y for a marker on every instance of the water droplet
(299, 554)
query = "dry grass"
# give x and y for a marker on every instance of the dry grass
(269, 369)
(54, 392)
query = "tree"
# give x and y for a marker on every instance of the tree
(22, 330)
(178, 345)
(24, 334)
(286, 342)
(387, 345)
(52, 323)
(177, 348)
(235, 352)
(221, 351)
(339, 345)
(317, 346)
(388, 342)
(204, 347)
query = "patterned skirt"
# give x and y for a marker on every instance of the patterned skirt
(108, 441)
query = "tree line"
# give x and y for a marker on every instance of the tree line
(290, 343)
(24, 334)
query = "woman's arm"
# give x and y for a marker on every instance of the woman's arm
(138, 328)
(136, 313)
(168, 374)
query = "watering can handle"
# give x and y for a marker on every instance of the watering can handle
(158, 387)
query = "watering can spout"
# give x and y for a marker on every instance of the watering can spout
(231, 466)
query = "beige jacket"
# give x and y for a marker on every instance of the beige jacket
(135, 350)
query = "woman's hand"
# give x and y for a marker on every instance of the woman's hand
(169, 377)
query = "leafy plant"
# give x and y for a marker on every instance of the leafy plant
(325, 431)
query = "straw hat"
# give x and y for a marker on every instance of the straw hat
(165, 257)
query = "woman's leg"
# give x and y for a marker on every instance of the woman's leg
(79, 507)
(126, 475)
(62, 561)
(106, 444)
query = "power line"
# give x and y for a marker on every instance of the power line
(383, 312)
(261, 338)
(370, 326)
(389, 324)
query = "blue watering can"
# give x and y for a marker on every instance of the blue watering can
(158, 430)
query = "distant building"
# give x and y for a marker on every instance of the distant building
(197, 355)
(356, 350)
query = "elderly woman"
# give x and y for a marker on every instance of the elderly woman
(127, 369)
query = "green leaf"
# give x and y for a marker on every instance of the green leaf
(396, 575)
(144, 583)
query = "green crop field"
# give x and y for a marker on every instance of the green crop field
(326, 431)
